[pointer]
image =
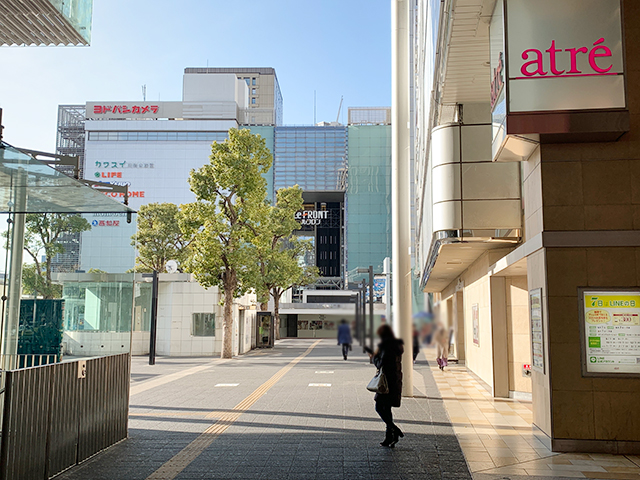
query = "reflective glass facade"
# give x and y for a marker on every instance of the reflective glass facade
(368, 209)
(312, 157)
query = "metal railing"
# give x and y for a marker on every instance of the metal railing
(29, 360)
(55, 416)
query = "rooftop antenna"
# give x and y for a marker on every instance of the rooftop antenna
(339, 108)
(314, 107)
(144, 93)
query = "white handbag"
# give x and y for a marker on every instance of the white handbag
(378, 383)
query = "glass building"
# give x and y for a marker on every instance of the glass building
(313, 157)
(368, 193)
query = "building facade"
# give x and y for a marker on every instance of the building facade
(526, 157)
(343, 170)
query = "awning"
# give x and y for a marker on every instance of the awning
(47, 189)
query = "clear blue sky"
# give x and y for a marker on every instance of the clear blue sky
(337, 47)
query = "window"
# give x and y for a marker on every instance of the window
(246, 79)
(203, 325)
(253, 81)
(253, 91)
(253, 101)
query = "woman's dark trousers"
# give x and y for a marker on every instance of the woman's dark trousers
(383, 407)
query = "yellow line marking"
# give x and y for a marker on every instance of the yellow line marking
(172, 468)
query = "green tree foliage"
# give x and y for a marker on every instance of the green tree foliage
(278, 254)
(231, 201)
(159, 237)
(42, 232)
(35, 284)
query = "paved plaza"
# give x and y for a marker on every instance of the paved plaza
(297, 411)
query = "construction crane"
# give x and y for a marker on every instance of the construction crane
(339, 109)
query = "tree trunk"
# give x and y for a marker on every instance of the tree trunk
(276, 314)
(227, 326)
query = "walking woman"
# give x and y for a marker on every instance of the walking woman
(388, 357)
(344, 337)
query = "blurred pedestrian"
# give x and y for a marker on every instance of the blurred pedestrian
(388, 358)
(441, 337)
(416, 343)
(344, 337)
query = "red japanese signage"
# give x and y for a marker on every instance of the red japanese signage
(123, 109)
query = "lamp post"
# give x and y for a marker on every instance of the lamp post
(153, 329)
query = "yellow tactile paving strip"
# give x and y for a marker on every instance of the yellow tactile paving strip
(188, 454)
(496, 435)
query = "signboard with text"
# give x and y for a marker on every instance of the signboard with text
(133, 110)
(557, 74)
(610, 325)
(564, 55)
(475, 323)
(537, 329)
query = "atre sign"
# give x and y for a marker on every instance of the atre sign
(552, 61)
(564, 55)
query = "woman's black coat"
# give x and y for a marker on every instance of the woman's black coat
(389, 358)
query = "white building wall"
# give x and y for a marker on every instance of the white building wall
(156, 171)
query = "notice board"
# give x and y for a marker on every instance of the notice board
(610, 327)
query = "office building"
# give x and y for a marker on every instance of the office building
(526, 145)
(343, 170)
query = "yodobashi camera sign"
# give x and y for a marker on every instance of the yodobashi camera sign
(564, 55)
(312, 217)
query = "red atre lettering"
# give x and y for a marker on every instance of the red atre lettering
(534, 64)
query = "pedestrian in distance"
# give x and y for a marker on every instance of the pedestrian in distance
(441, 337)
(344, 337)
(416, 343)
(388, 359)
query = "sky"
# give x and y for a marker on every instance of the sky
(334, 47)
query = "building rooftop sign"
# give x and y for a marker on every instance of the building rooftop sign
(45, 22)
(133, 110)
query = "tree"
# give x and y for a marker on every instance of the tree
(34, 283)
(159, 237)
(231, 201)
(42, 232)
(278, 252)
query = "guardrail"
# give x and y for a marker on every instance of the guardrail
(55, 416)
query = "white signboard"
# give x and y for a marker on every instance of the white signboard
(611, 332)
(565, 55)
(537, 329)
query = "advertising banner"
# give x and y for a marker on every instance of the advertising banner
(610, 324)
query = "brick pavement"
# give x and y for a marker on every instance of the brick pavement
(291, 431)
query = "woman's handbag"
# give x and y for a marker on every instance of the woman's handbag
(378, 383)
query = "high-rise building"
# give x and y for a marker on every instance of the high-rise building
(265, 98)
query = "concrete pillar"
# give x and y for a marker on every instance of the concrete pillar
(400, 183)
